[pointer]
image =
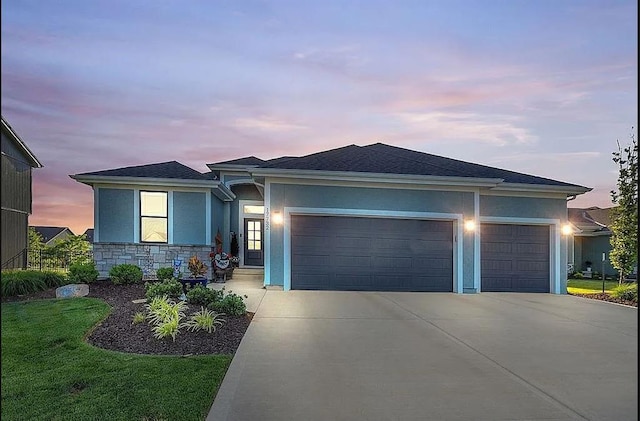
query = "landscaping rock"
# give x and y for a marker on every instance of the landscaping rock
(72, 290)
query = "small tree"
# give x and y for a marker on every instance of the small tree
(624, 217)
(36, 245)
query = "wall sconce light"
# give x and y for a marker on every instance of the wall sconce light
(470, 225)
(567, 229)
(276, 218)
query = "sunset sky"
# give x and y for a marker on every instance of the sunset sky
(540, 87)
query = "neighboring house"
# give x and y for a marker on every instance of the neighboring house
(17, 162)
(52, 235)
(89, 235)
(374, 217)
(591, 237)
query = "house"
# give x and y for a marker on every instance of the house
(17, 164)
(591, 238)
(375, 217)
(52, 235)
(89, 235)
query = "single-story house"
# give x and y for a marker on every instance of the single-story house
(375, 217)
(88, 233)
(17, 204)
(591, 238)
(52, 235)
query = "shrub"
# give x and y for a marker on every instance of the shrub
(54, 279)
(138, 318)
(169, 287)
(125, 274)
(165, 316)
(628, 292)
(577, 275)
(164, 274)
(232, 304)
(83, 273)
(204, 320)
(21, 282)
(203, 296)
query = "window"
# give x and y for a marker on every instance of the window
(153, 217)
(253, 209)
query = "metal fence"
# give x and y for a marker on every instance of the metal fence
(55, 259)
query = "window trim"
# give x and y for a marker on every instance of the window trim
(141, 216)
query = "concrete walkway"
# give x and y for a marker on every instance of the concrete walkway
(431, 356)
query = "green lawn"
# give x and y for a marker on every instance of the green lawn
(50, 373)
(589, 286)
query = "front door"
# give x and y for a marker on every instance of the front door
(253, 242)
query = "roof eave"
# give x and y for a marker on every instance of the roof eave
(375, 177)
(219, 189)
(230, 167)
(35, 163)
(569, 190)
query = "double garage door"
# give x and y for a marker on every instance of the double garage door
(384, 254)
(371, 254)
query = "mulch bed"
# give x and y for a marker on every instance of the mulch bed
(606, 297)
(118, 333)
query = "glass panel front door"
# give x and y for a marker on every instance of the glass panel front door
(253, 245)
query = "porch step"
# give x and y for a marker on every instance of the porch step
(248, 274)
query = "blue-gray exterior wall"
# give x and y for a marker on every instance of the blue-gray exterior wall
(523, 207)
(115, 215)
(363, 198)
(591, 249)
(189, 218)
(242, 192)
(217, 218)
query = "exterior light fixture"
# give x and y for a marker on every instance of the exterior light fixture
(567, 229)
(276, 218)
(470, 225)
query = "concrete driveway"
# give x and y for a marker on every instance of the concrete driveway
(431, 356)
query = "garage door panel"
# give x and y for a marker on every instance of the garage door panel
(380, 254)
(515, 258)
(350, 261)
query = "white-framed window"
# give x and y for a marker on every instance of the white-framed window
(153, 217)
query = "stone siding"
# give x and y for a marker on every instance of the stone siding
(149, 257)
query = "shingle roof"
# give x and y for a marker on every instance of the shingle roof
(591, 219)
(89, 234)
(386, 159)
(248, 160)
(171, 169)
(47, 233)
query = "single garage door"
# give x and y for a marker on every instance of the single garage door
(515, 258)
(371, 254)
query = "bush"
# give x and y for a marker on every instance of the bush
(164, 274)
(54, 279)
(125, 274)
(628, 292)
(169, 287)
(203, 296)
(21, 282)
(83, 273)
(231, 304)
(204, 320)
(577, 275)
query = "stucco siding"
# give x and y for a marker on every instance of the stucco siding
(592, 249)
(189, 218)
(217, 219)
(523, 207)
(115, 215)
(242, 192)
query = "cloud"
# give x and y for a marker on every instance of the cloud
(498, 130)
(267, 123)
